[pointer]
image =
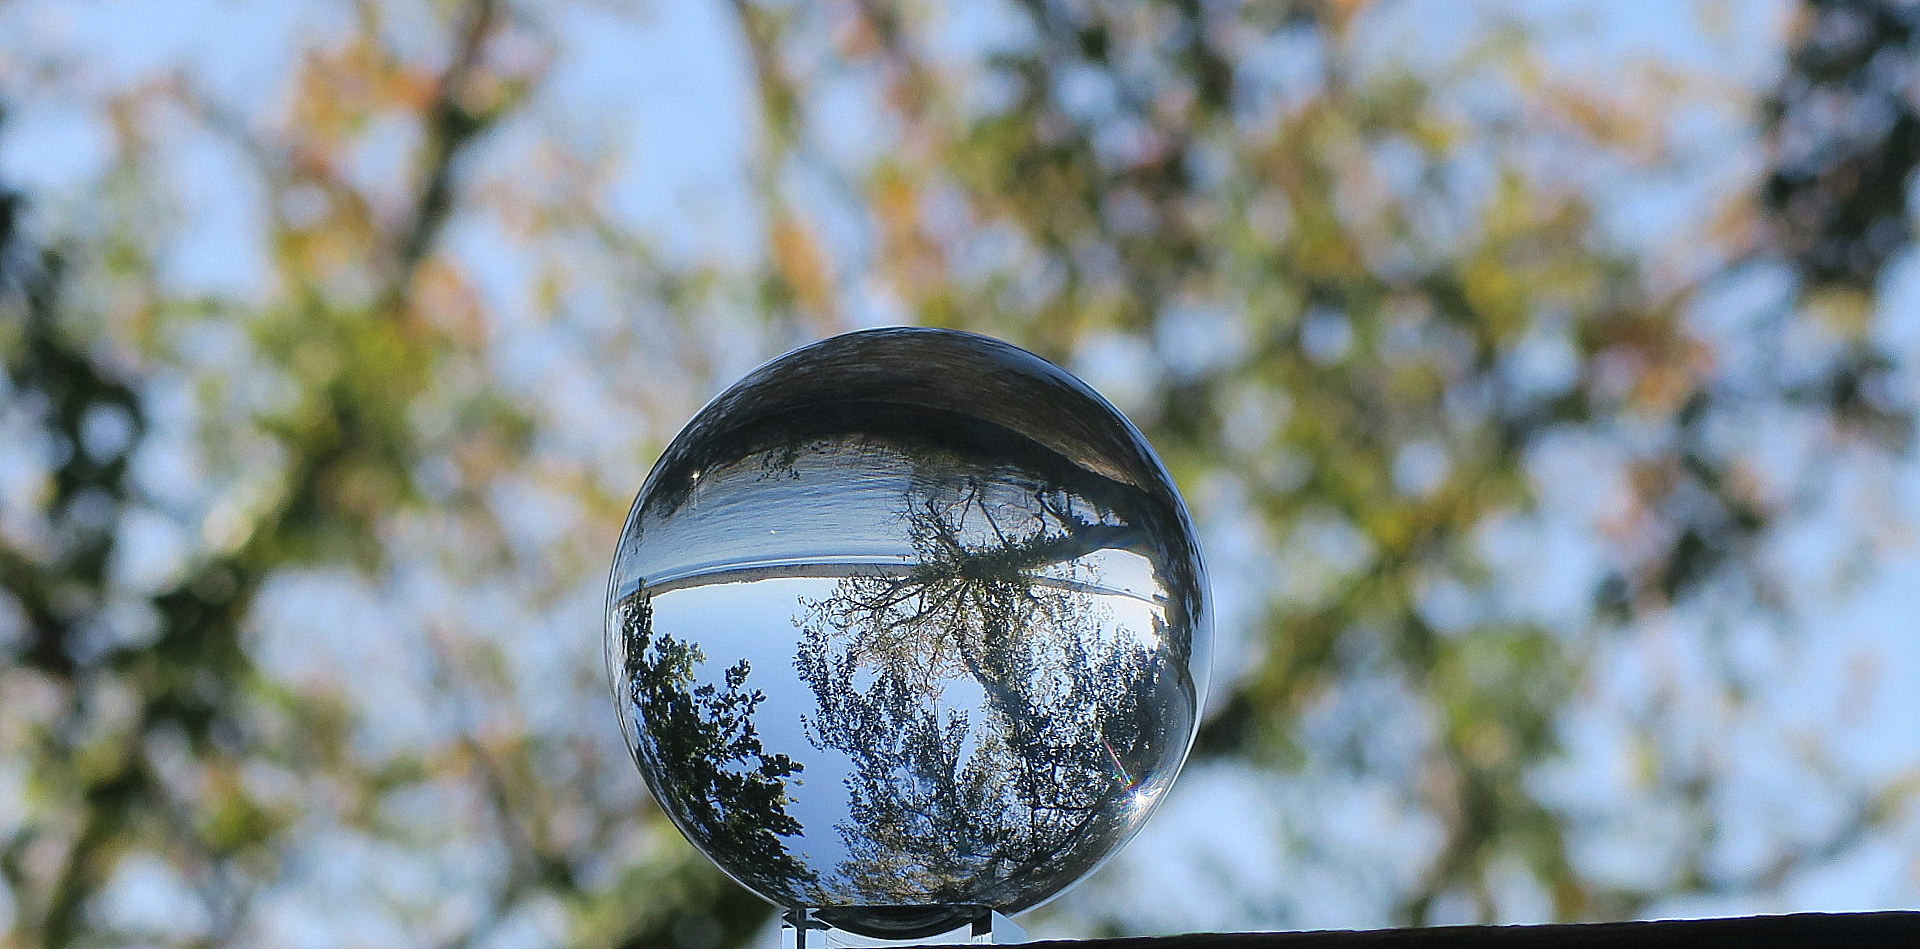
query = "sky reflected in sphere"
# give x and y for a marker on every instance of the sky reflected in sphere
(905, 621)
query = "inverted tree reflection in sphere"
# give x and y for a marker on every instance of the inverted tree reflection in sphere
(908, 620)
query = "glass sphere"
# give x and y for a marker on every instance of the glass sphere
(905, 624)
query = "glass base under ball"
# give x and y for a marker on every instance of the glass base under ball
(814, 928)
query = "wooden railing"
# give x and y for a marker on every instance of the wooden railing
(1899, 930)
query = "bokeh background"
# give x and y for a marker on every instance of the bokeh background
(1541, 372)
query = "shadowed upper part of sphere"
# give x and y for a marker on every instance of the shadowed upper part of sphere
(828, 385)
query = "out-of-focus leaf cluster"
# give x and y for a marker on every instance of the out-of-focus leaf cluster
(1849, 140)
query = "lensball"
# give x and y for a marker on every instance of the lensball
(906, 624)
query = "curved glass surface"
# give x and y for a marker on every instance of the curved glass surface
(908, 619)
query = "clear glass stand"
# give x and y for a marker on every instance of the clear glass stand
(973, 926)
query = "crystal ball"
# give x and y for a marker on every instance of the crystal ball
(905, 625)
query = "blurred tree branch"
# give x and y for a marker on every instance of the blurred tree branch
(452, 122)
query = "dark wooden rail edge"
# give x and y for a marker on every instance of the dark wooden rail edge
(1802, 931)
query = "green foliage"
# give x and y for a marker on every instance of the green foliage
(741, 812)
(1374, 267)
